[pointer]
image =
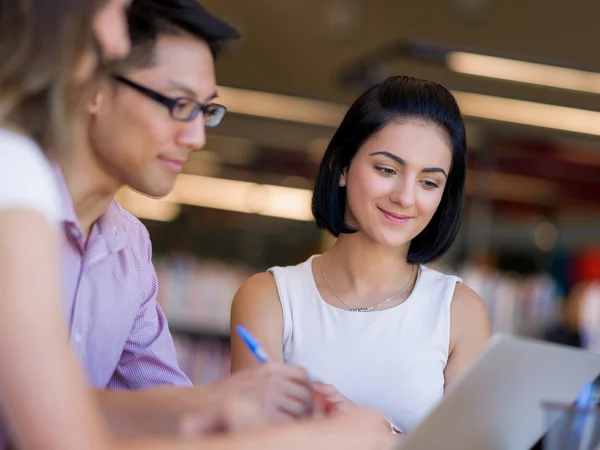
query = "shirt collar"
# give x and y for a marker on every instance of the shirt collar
(111, 225)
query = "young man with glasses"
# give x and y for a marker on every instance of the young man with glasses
(143, 123)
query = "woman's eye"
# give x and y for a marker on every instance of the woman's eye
(430, 184)
(385, 170)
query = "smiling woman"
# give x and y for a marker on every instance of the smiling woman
(371, 323)
(421, 121)
(405, 184)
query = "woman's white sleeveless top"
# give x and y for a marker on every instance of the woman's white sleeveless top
(392, 360)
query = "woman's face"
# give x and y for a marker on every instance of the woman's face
(109, 26)
(395, 181)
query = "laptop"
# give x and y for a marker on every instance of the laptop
(496, 403)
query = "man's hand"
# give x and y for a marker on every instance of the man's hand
(282, 391)
(276, 392)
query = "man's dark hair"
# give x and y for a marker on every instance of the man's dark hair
(148, 19)
(396, 99)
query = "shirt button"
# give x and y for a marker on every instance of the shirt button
(115, 232)
(77, 337)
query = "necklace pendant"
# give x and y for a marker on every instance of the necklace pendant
(362, 309)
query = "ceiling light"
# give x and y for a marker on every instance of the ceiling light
(282, 107)
(275, 106)
(529, 113)
(219, 193)
(524, 72)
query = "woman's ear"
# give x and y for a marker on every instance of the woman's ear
(93, 105)
(343, 177)
(96, 95)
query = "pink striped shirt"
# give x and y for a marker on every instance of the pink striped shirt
(117, 329)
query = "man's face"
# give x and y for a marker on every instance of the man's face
(134, 137)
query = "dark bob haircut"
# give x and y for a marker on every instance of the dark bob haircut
(397, 98)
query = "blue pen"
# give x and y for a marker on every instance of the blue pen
(259, 353)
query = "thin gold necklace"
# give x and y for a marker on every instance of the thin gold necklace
(371, 308)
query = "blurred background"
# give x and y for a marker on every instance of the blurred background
(527, 77)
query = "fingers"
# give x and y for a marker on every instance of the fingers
(326, 389)
(321, 406)
(323, 387)
(285, 391)
(293, 406)
(335, 401)
(302, 393)
(289, 371)
(287, 401)
(288, 389)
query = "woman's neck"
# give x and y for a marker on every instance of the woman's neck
(359, 267)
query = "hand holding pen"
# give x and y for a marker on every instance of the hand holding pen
(320, 404)
(321, 401)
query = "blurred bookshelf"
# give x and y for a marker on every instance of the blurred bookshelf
(196, 297)
(521, 298)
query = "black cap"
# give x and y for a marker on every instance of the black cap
(188, 15)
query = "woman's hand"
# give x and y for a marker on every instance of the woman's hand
(334, 402)
(333, 399)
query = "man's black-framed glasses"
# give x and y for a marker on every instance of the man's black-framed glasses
(183, 109)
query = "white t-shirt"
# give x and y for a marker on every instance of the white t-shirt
(27, 180)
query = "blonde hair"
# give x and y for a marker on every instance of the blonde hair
(41, 42)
